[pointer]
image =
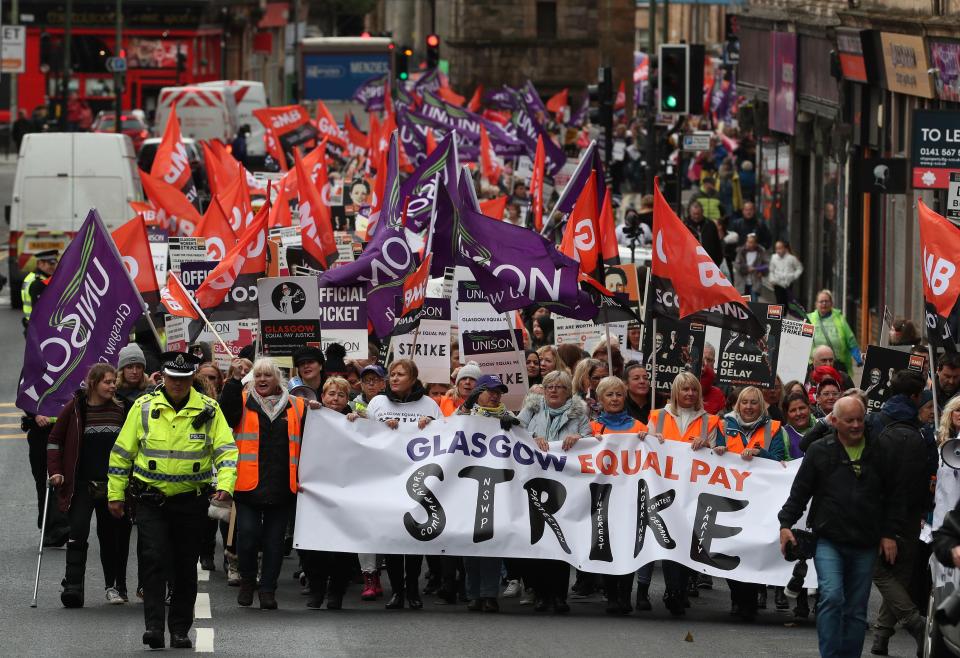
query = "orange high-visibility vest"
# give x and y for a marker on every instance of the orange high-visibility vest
(598, 429)
(761, 438)
(663, 424)
(247, 435)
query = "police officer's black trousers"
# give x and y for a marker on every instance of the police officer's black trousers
(37, 439)
(170, 536)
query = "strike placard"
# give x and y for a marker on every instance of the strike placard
(289, 313)
(432, 352)
(878, 368)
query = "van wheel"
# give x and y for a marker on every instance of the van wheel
(15, 283)
(933, 644)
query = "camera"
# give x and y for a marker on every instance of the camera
(804, 549)
(631, 223)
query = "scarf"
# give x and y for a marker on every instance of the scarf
(556, 418)
(489, 412)
(747, 428)
(272, 405)
(617, 422)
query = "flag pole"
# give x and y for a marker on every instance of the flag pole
(933, 386)
(653, 375)
(606, 326)
(203, 316)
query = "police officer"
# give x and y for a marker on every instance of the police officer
(36, 282)
(38, 427)
(163, 461)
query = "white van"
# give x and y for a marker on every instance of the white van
(204, 112)
(60, 177)
(248, 95)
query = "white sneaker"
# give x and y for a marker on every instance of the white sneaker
(113, 596)
(513, 589)
(233, 576)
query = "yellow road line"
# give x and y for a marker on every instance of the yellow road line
(7, 426)
(5, 437)
(8, 404)
(10, 414)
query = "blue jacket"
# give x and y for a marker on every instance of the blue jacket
(732, 428)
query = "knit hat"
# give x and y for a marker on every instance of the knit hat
(335, 364)
(131, 355)
(471, 369)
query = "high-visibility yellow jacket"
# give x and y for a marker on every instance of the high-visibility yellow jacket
(160, 447)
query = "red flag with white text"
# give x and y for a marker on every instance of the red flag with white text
(134, 247)
(316, 223)
(176, 299)
(180, 215)
(536, 184)
(251, 245)
(172, 164)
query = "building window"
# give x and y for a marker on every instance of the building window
(546, 20)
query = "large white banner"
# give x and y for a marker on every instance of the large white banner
(463, 486)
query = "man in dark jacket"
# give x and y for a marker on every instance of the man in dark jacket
(898, 429)
(748, 223)
(705, 231)
(847, 476)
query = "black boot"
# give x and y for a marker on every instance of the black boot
(396, 601)
(626, 589)
(153, 639)
(643, 598)
(72, 595)
(674, 600)
(762, 598)
(245, 595)
(780, 599)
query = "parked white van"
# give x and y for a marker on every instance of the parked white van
(248, 95)
(204, 112)
(59, 178)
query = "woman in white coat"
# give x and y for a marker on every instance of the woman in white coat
(785, 268)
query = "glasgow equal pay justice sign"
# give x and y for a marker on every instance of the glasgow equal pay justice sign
(463, 486)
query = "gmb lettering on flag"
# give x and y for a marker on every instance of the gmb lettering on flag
(463, 486)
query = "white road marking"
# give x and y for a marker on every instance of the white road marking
(201, 610)
(202, 574)
(204, 641)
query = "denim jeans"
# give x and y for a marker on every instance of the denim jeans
(844, 576)
(261, 529)
(483, 577)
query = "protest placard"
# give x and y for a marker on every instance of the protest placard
(879, 367)
(343, 319)
(432, 353)
(289, 313)
(496, 354)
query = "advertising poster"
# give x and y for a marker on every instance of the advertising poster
(289, 313)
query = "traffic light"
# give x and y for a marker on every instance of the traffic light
(403, 62)
(433, 51)
(673, 77)
(601, 97)
(680, 78)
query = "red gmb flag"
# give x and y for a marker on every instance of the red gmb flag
(536, 184)
(678, 257)
(216, 229)
(476, 99)
(609, 249)
(558, 101)
(488, 159)
(581, 236)
(316, 225)
(939, 242)
(621, 100)
(279, 216)
(176, 299)
(171, 162)
(178, 213)
(414, 293)
(250, 246)
(134, 247)
(494, 207)
(235, 202)
(357, 141)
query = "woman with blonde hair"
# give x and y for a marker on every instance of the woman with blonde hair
(586, 377)
(683, 419)
(268, 425)
(949, 421)
(550, 361)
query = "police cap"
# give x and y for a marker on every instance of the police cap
(179, 364)
(49, 254)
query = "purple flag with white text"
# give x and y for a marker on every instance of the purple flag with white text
(84, 317)
(372, 92)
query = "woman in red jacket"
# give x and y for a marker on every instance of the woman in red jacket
(78, 453)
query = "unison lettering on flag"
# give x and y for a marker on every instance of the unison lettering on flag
(463, 486)
(84, 316)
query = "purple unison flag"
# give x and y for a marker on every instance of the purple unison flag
(371, 93)
(84, 317)
(428, 82)
(528, 129)
(531, 98)
(387, 260)
(503, 98)
(580, 116)
(514, 266)
(420, 188)
(413, 135)
(467, 124)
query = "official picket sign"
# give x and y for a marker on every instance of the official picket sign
(463, 486)
(343, 319)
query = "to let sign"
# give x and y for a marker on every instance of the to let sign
(935, 148)
(13, 55)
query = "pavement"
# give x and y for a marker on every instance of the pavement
(361, 629)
